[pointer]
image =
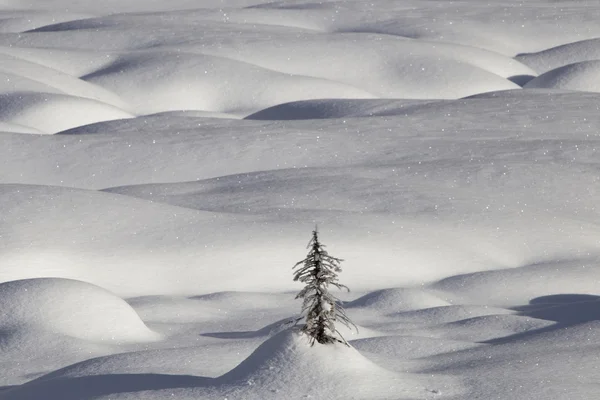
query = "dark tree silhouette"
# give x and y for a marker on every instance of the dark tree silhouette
(320, 309)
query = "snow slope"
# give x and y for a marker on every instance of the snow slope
(69, 308)
(284, 365)
(582, 76)
(162, 165)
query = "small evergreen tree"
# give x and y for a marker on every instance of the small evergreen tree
(320, 309)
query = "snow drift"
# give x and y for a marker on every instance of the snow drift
(581, 76)
(69, 307)
(51, 112)
(284, 366)
(559, 56)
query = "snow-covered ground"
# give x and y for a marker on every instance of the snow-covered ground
(163, 163)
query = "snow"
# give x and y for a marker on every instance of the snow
(162, 165)
(71, 308)
(559, 56)
(582, 76)
(51, 113)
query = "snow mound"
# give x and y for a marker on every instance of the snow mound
(51, 113)
(169, 81)
(583, 76)
(396, 300)
(518, 286)
(198, 360)
(388, 67)
(444, 314)
(559, 56)
(484, 328)
(15, 83)
(233, 300)
(287, 365)
(71, 308)
(74, 63)
(21, 75)
(217, 308)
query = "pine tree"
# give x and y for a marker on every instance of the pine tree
(320, 309)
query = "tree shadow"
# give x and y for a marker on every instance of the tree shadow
(563, 309)
(90, 387)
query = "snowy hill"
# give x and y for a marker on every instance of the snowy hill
(285, 365)
(162, 165)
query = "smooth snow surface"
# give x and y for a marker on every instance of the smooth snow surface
(579, 76)
(70, 308)
(162, 165)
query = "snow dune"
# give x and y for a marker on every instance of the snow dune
(47, 100)
(559, 56)
(72, 63)
(158, 82)
(522, 284)
(387, 67)
(59, 81)
(506, 27)
(72, 308)
(50, 113)
(484, 328)
(582, 76)
(448, 313)
(396, 300)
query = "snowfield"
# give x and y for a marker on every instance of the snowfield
(162, 165)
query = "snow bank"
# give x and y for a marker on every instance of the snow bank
(286, 365)
(578, 76)
(51, 113)
(169, 81)
(72, 62)
(396, 300)
(71, 308)
(521, 285)
(387, 67)
(199, 359)
(45, 77)
(559, 56)
(224, 311)
(484, 328)
(504, 27)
